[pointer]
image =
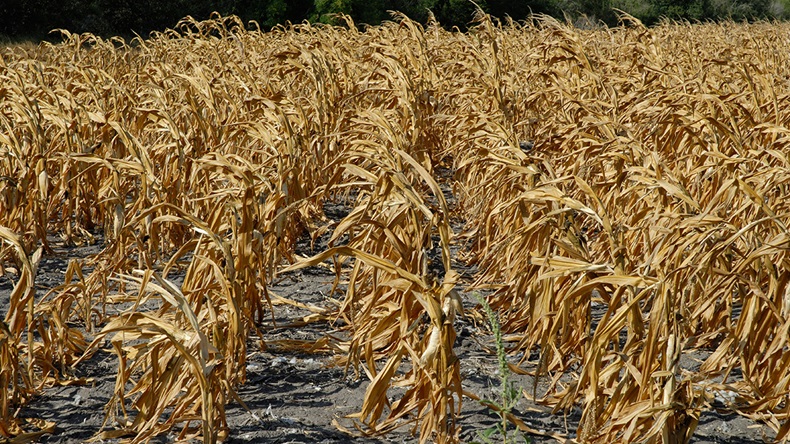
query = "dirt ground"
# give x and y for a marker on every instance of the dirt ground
(297, 398)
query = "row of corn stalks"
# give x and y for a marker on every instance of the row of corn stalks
(621, 191)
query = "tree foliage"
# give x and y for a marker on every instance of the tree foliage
(34, 19)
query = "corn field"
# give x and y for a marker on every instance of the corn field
(622, 194)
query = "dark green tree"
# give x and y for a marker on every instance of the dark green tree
(370, 12)
(458, 13)
(520, 10)
(34, 19)
(738, 9)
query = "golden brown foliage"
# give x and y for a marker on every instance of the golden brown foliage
(648, 220)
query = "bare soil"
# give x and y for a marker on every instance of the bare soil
(297, 398)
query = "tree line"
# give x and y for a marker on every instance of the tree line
(34, 19)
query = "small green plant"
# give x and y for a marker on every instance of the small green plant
(508, 393)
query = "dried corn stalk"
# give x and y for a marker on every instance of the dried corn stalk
(623, 193)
